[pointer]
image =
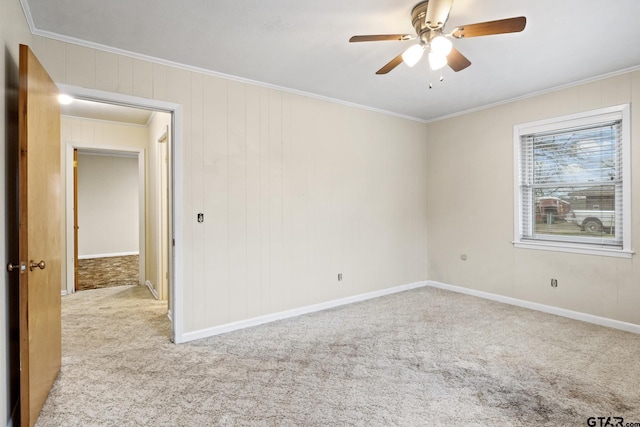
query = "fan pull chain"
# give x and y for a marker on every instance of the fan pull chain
(431, 79)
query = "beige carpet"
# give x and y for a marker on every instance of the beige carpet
(421, 357)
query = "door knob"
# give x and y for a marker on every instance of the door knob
(11, 267)
(33, 265)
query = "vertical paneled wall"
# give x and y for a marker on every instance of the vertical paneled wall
(294, 190)
(472, 213)
(157, 126)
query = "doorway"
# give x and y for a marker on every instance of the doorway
(84, 133)
(163, 143)
(108, 193)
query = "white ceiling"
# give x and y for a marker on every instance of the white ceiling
(302, 45)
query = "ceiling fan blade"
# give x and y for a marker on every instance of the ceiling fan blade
(437, 13)
(457, 61)
(501, 26)
(390, 65)
(382, 37)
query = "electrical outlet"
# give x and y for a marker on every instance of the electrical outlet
(339, 277)
(554, 283)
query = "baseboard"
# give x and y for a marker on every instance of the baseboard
(229, 327)
(64, 292)
(576, 315)
(109, 255)
(153, 291)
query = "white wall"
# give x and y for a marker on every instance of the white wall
(294, 190)
(157, 127)
(471, 191)
(107, 205)
(13, 31)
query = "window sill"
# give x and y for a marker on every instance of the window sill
(576, 249)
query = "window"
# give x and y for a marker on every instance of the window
(572, 183)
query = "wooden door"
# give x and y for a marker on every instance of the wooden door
(40, 235)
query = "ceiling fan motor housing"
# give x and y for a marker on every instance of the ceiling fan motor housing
(418, 15)
(425, 30)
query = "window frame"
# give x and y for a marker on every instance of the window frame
(621, 112)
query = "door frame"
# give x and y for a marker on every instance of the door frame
(139, 153)
(162, 223)
(176, 193)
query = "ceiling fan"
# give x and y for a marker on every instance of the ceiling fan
(429, 18)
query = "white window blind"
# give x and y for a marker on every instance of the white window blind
(572, 181)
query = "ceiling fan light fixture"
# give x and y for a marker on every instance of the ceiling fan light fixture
(429, 18)
(436, 60)
(412, 55)
(441, 45)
